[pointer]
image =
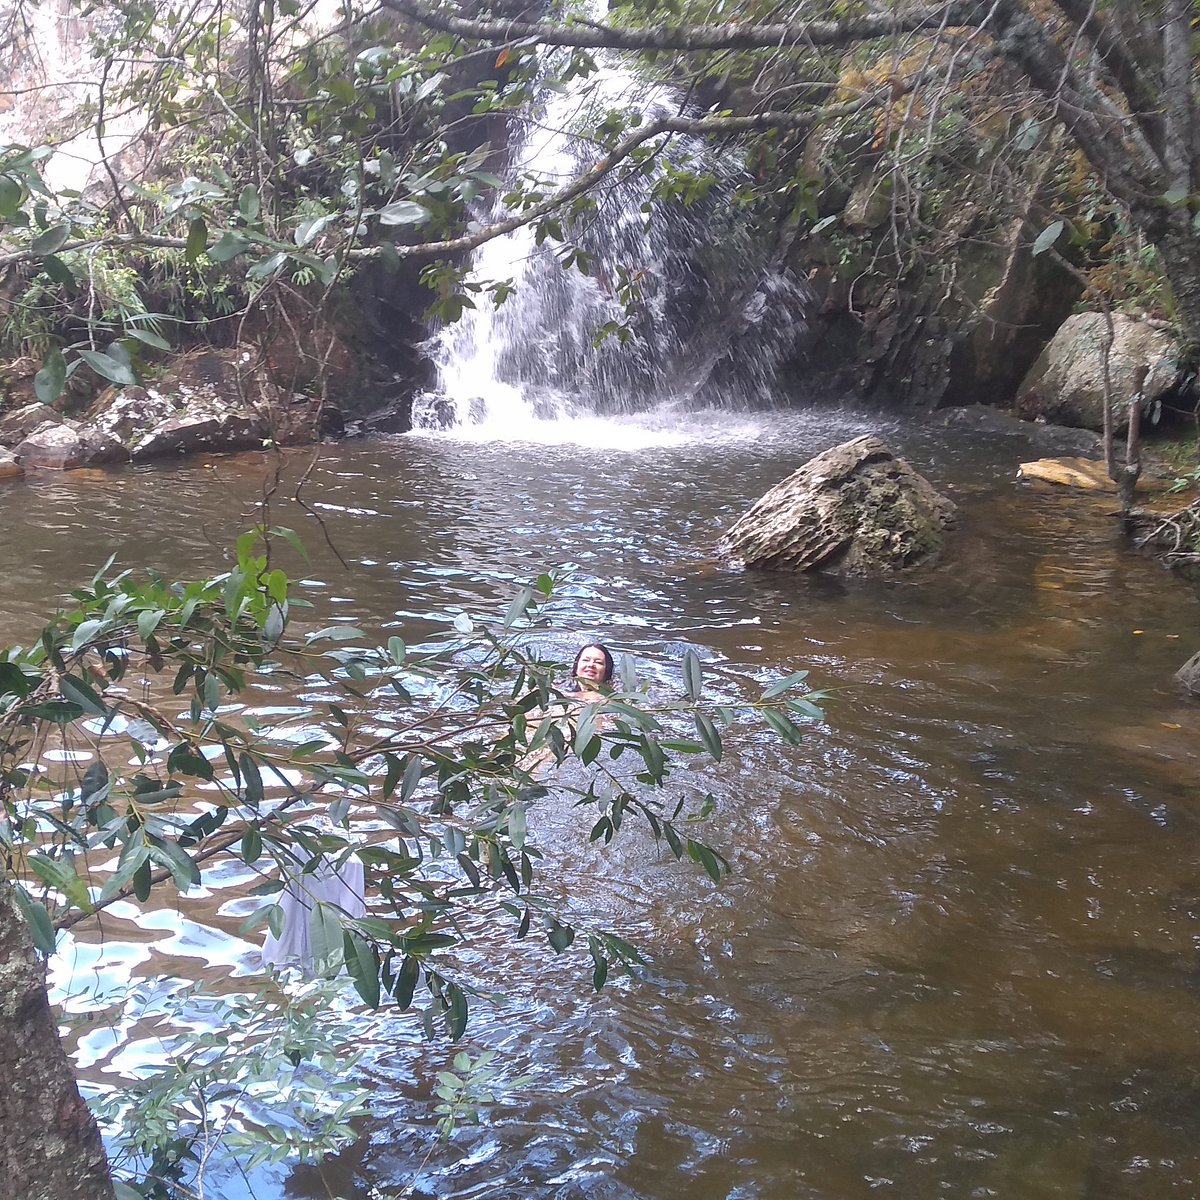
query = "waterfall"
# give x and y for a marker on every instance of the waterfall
(711, 322)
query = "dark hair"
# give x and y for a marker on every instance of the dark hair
(609, 666)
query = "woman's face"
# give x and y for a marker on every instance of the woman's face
(592, 665)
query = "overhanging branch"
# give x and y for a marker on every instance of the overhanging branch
(586, 180)
(730, 36)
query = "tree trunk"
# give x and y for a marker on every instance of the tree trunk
(50, 1148)
(1179, 250)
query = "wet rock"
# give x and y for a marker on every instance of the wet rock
(1046, 439)
(128, 414)
(1066, 383)
(9, 467)
(199, 409)
(16, 426)
(198, 429)
(855, 510)
(1085, 473)
(1188, 676)
(60, 447)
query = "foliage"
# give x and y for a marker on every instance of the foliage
(448, 744)
(263, 1076)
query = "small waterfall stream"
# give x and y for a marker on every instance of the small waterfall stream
(705, 316)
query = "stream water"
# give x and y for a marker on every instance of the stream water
(958, 954)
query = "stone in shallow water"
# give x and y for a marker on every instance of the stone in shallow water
(1085, 473)
(61, 448)
(855, 510)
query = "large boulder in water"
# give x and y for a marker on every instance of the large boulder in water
(60, 447)
(854, 510)
(1066, 384)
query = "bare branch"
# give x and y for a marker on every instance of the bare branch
(731, 36)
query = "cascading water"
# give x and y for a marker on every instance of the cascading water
(712, 319)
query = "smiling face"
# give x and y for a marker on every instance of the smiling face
(591, 665)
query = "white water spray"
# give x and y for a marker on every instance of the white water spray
(710, 324)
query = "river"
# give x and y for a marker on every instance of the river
(958, 953)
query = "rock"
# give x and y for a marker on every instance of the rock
(1050, 440)
(1085, 473)
(128, 414)
(1066, 383)
(17, 426)
(198, 429)
(60, 447)
(854, 510)
(9, 467)
(870, 203)
(1188, 676)
(199, 409)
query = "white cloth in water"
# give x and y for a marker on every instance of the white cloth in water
(342, 887)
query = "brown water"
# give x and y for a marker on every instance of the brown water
(960, 952)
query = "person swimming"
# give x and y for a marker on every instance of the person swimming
(592, 670)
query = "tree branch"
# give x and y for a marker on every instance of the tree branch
(585, 181)
(731, 36)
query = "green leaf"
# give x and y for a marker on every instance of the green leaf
(58, 271)
(149, 338)
(309, 231)
(692, 674)
(325, 933)
(516, 610)
(517, 827)
(456, 1015)
(362, 961)
(1048, 237)
(406, 980)
(403, 212)
(707, 858)
(781, 685)
(412, 777)
(94, 786)
(108, 367)
(41, 928)
(252, 780)
(78, 692)
(806, 708)
(248, 202)
(227, 247)
(783, 725)
(123, 1191)
(560, 937)
(251, 845)
(14, 681)
(336, 633)
(60, 712)
(183, 870)
(709, 735)
(62, 877)
(197, 240)
(148, 621)
(53, 239)
(48, 383)
(11, 193)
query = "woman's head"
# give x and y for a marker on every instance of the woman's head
(593, 664)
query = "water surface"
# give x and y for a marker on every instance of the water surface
(959, 951)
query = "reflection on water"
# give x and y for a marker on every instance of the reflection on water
(958, 955)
